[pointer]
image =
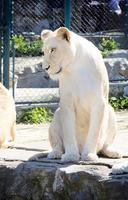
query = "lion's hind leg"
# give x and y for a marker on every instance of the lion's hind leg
(55, 137)
(2, 138)
(108, 148)
(13, 132)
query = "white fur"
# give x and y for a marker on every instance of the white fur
(85, 123)
(7, 117)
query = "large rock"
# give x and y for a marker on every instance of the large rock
(52, 181)
(23, 177)
(126, 91)
(118, 88)
(117, 64)
(31, 74)
(117, 67)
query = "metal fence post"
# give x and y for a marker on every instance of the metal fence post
(67, 13)
(6, 41)
(13, 69)
(1, 29)
(126, 18)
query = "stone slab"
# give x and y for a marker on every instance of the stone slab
(24, 178)
(32, 77)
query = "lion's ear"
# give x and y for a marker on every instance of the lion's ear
(45, 33)
(64, 33)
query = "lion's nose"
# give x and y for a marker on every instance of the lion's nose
(47, 68)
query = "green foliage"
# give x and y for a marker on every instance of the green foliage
(35, 115)
(25, 47)
(107, 45)
(119, 103)
(39, 115)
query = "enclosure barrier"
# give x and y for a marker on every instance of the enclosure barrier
(91, 19)
(5, 32)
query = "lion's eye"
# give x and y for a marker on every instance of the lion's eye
(53, 49)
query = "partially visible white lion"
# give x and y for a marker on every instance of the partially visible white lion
(120, 168)
(85, 123)
(7, 117)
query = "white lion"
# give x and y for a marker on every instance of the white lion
(84, 124)
(7, 117)
(120, 168)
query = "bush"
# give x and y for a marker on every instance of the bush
(39, 115)
(33, 47)
(35, 115)
(119, 103)
(25, 47)
(107, 45)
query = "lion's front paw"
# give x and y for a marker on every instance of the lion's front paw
(55, 154)
(89, 157)
(70, 157)
(8, 144)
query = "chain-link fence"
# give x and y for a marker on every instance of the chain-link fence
(92, 19)
(96, 16)
(87, 16)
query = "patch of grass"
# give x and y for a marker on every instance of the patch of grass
(107, 45)
(119, 103)
(35, 115)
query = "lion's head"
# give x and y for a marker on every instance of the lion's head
(58, 51)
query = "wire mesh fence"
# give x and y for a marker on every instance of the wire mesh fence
(92, 19)
(96, 16)
(33, 16)
(86, 16)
